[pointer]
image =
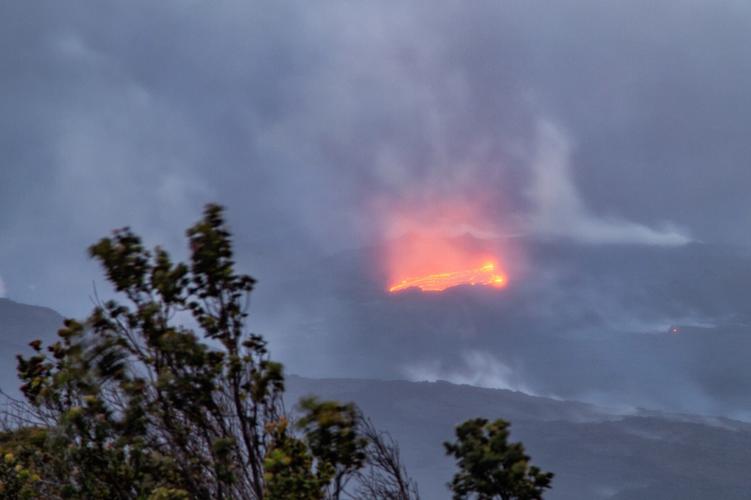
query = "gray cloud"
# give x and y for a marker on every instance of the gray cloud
(298, 117)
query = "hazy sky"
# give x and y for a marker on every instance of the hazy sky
(602, 122)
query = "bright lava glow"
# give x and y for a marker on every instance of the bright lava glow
(486, 275)
(435, 243)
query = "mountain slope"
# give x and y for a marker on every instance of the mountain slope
(595, 452)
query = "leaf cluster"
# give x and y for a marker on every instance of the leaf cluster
(490, 467)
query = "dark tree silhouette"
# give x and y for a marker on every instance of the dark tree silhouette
(132, 403)
(490, 467)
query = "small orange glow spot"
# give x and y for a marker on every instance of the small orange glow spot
(485, 275)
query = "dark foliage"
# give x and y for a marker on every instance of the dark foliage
(491, 467)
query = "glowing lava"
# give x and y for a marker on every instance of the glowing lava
(435, 243)
(486, 275)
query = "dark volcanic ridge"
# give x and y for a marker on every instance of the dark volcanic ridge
(596, 452)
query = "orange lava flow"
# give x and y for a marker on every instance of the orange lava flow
(486, 275)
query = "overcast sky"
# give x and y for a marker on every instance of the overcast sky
(602, 122)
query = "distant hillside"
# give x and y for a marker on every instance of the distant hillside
(596, 453)
(20, 324)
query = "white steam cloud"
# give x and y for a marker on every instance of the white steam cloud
(479, 369)
(560, 212)
(3, 289)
